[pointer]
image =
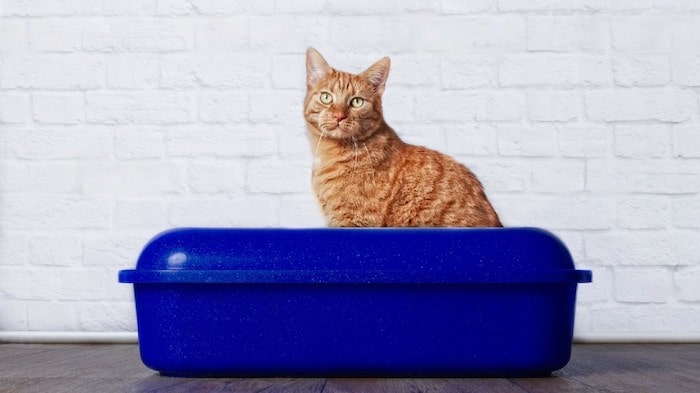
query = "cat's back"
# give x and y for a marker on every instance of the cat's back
(434, 189)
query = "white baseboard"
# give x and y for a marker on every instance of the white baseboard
(637, 337)
(69, 337)
(132, 338)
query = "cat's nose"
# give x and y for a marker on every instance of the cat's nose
(339, 116)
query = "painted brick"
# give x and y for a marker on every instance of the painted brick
(13, 176)
(562, 212)
(534, 70)
(346, 36)
(42, 8)
(642, 248)
(645, 318)
(567, 33)
(300, 211)
(642, 141)
(55, 251)
(500, 175)
(647, 70)
(277, 177)
(137, 143)
(13, 108)
(137, 214)
(103, 250)
(469, 7)
(643, 213)
(13, 35)
(51, 316)
(54, 72)
(431, 136)
(399, 105)
(471, 139)
(132, 178)
(13, 315)
(216, 70)
(55, 212)
(216, 177)
(598, 291)
(234, 7)
(126, 71)
(365, 7)
(662, 177)
(500, 33)
(276, 106)
(410, 70)
(107, 317)
(558, 176)
(397, 32)
(288, 72)
(537, 5)
(553, 105)
(140, 108)
(60, 282)
(227, 141)
(686, 142)
(645, 34)
(686, 212)
(293, 142)
(530, 142)
(666, 105)
(58, 108)
(686, 283)
(60, 143)
(642, 285)
(223, 107)
(13, 249)
(128, 7)
(466, 72)
(584, 141)
(483, 105)
(53, 177)
(686, 69)
(194, 118)
(261, 211)
(55, 35)
(299, 33)
(138, 35)
(176, 7)
(684, 35)
(228, 34)
(299, 7)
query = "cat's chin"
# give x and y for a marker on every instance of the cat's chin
(336, 133)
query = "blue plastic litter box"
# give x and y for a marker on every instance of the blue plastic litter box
(355, 302)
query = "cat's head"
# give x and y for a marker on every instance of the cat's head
(340, 105)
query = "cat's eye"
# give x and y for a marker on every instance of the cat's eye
(326, 98)
(357, 102)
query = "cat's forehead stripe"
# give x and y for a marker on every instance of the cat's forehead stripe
(345, 82)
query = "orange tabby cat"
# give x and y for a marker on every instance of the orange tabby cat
(364, 175)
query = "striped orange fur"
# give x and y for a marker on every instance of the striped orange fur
(364, 175)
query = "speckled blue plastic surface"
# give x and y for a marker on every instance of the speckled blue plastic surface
(355, 302)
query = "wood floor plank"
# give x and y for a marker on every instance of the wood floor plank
(118, 369)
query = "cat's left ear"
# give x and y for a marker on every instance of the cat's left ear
(316, 67)
(378, 73)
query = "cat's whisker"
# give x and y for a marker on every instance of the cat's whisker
(354, 143)
(369, 155)
(318, 145)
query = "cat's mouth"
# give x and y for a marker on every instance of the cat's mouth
(334, 131)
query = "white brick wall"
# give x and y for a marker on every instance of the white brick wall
(119, 119)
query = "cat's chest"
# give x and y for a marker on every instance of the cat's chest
(347, 181)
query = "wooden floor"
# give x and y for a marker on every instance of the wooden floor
(664, 368)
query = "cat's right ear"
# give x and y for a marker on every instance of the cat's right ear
(316, 67)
